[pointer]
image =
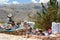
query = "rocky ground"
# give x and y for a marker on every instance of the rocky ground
(13, 37)
(4, 36)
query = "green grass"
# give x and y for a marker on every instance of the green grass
(2, 22)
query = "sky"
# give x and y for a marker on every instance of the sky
(22, 1)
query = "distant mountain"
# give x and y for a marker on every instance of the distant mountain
(19, 11)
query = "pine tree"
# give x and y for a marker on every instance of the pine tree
(49, 14)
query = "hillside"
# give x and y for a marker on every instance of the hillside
(19, 11)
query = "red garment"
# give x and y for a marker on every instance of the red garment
(49, 31)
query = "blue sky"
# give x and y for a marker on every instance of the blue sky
(22, 1)
(27, 1)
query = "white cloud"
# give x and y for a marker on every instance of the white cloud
(7, 2)
(58, 0)
(44, 1)
(4, 1)
(15, 2)
(34, 1)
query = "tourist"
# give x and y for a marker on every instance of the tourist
(46, 33)
(29, 29)
(41, 32)
(13, 23)
(33, 31)
(50, 31)
(18, 25)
